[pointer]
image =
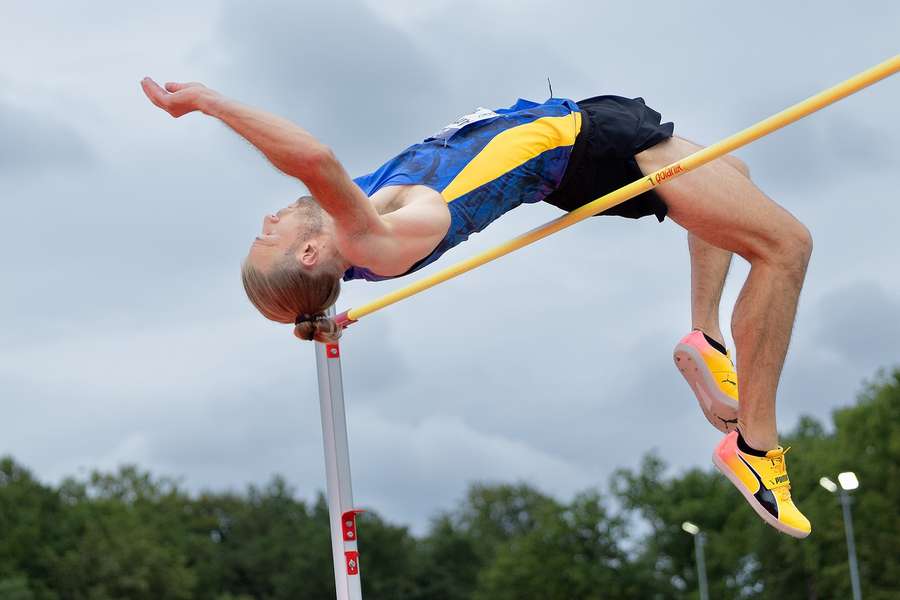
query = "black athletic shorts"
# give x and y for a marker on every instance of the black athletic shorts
(613, 130)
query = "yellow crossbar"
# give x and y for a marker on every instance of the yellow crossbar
(689, 163)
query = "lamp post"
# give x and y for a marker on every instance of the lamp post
(848, 482)
(699, 540)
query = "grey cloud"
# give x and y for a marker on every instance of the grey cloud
(843, 335)
(124, 320)
(823, 149)
(379, 360)
(112, 246)
(336, 68)
(31, 143)
(861, 324)
(405, 467)
(139, 391)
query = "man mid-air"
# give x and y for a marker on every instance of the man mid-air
(438, 192)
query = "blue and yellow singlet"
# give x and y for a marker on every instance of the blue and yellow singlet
(484, 164)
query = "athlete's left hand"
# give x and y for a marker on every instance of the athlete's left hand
(178, 99)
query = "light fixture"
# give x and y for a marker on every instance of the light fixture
(690, 528)
(828, 484)
(848, 480)
(699, 540)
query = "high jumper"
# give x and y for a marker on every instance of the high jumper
(436, 193)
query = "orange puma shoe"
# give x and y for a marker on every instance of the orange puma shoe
(712, 377)
(764, 483)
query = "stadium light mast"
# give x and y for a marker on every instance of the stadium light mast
(848, 482)
(699, 540)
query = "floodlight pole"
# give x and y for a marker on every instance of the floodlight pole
(699, 541)
(846, 500)
(342, 515)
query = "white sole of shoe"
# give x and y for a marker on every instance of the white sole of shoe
(754, 504)
(718, 408)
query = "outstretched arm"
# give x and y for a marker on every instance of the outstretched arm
(290, 148)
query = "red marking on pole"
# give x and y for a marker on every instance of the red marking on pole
(332, 351)
(348, 524)
(343, 320)
(352, 557)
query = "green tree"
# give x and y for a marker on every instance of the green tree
(119, 541)
(15, 588)
(447, 564)
(747, 559)
(667, 554)
(30, 514)
(571, 552)
(271, 546)
(868, 443)
(388, 559)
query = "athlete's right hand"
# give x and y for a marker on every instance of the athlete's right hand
(178, 99)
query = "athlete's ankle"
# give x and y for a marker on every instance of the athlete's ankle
(714, 338)
(754, 445)
(746, 448)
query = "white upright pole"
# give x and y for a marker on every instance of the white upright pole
(341, 513)
(846, 500)
(699, 542)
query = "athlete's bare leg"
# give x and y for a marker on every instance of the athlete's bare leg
(709, 266)
(721, 206)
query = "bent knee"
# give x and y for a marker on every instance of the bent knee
(790, 247)
(803, 242)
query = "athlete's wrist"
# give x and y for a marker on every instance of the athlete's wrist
(212, 103)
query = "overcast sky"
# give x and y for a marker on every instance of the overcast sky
(126, 336)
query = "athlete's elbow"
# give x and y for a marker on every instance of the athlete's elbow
(312, 160)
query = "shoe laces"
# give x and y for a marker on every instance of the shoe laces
(780, 478)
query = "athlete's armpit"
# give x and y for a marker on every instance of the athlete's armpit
(408, 235)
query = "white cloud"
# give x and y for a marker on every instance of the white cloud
(404, 470)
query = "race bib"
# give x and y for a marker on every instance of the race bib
(480, 114)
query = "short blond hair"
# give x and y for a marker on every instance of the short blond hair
(292, 293)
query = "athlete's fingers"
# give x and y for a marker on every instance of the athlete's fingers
(173, 86)
(163, 99)
(153, 92)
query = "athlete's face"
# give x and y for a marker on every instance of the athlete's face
(301, 229)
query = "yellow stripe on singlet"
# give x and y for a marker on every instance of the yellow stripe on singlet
(513, 148)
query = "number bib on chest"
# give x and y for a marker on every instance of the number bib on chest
(480, 114)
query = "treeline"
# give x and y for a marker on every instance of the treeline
(130, 535)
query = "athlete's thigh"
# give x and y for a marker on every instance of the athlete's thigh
(717, 202)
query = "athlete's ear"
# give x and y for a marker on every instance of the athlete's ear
(308, 254)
